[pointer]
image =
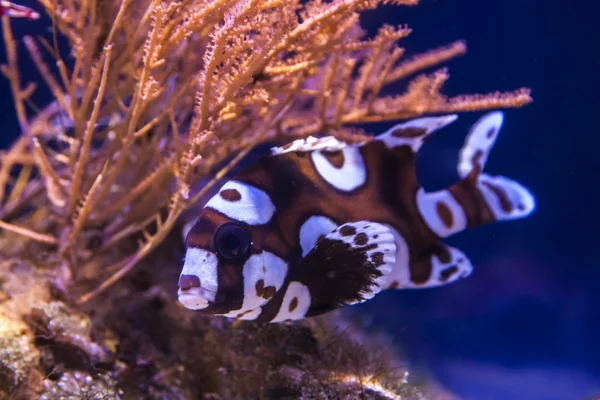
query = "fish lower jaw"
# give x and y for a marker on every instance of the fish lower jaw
(195, 298)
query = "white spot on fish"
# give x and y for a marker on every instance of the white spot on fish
(349, 174)
(310, 232)
(260, 283)
(253, 207)
(295, 304)
(442, 213)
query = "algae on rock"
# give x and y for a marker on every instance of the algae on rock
(136, 342)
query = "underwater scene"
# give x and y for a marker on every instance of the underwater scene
(298, 199)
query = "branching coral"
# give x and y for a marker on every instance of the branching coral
(160, 94)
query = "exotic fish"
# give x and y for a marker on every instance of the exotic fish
(319, 224)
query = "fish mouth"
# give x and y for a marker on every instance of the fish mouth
(199, 280)
(196, 298)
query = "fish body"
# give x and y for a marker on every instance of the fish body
(319, 224)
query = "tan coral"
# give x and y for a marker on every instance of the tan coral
(162, 91)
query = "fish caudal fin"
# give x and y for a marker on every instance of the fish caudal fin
(479, 142)
(478, 198)
(504, 198)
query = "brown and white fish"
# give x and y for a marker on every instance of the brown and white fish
(321, 224)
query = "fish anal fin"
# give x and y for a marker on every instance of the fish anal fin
(441, 265)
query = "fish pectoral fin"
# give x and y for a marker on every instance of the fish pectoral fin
(440, 265)
(349, 265)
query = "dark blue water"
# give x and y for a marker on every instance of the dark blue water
(525, 324)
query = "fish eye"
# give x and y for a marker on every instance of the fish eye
(232, 241)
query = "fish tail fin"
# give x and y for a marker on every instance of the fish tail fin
(505, 199)
(478, 198)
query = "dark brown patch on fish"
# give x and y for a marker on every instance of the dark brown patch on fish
(293, 304)
(361, 239)
(264, 292)
(335, 158)
(505, 203)
(188, 281)
(475, 160)
(445, 214)
(410, 132)
(448, 272)
(348, 230)
(377, 259)
(230, 195)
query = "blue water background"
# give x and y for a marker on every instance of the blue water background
(525, 324)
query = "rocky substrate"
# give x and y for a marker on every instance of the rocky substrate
(136, 342)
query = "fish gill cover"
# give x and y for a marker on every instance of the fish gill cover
(154, 98)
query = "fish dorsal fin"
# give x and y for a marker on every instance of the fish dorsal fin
(311, 143)
(414, 132)
(341, 165)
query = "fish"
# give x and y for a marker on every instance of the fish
(17, 11)
(320, 224)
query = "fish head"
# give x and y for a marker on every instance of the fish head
(228, 268)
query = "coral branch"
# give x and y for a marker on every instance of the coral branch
(425, 60)
(38, 237)
(162, 97)
(56, 192)
(11, 72)
(45, 72)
